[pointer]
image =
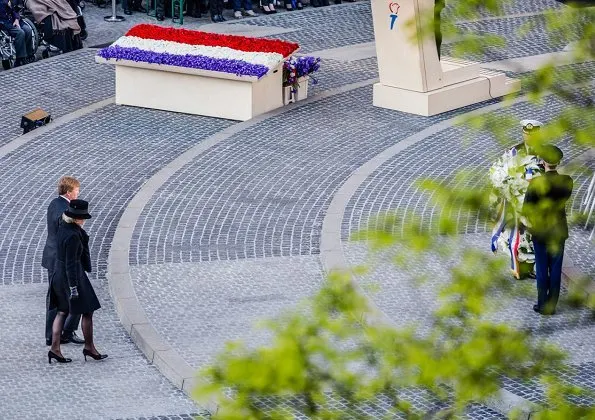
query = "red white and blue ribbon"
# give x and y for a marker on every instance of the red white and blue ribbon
(514, 238)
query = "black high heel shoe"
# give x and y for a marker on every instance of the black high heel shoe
(94, 356)
(52, 355)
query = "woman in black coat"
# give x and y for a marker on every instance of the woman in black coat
(72, 291)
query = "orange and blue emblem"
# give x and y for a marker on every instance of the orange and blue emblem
(394, 10)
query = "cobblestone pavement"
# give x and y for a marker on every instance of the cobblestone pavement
(264, 192)
(317, 29)
(68, 83)
(233, 296)
(124, 385)
(234, 236)
(407, 302)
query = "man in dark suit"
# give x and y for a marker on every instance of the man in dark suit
(545, 211)
(68, 189)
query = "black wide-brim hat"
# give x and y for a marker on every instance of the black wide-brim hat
(78, 209)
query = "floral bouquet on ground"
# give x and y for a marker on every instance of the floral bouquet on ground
(509, 177)
(296, 68)
(239, 55)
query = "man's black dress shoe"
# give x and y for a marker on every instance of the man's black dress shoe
(72, 338)
(127, 12)
(221, 18)
(63, 340)
(160, 18)
(542, 312)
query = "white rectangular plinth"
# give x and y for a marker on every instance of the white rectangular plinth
(445, 99)
(405, 59)
(230, 97)
(456, 70)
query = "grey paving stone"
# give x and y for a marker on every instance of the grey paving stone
(535, 41)
(581, 251)
(510, 7)
(173, 417)
(123, 385)
(582, 375)
(319, 30)
(68, 82)
(381, 407)
(395, 185)
(333, 74)
(408, 302)
(264, 192)
(112, 151)
(480, 412)
(197, 308)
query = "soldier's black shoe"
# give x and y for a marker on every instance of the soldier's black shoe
(160, 18)
(48, 341)
(71, 338)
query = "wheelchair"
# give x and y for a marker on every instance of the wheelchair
(7, 48)
(52, 42)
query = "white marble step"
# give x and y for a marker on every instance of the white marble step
(499, 83)
(455, 70)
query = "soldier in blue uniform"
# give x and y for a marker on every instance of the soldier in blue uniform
(545, 211)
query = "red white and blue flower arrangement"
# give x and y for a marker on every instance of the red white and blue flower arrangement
(239, 55)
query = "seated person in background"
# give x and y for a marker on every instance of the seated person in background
(268, 6)
(216, 10)
(129, 5)
(10, 21)
(237, 8)
(61, 27)
(193, 8)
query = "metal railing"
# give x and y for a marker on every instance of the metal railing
(588, 204)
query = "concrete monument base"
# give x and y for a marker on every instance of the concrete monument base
(413, 78)
(485, 85)
(194, 91)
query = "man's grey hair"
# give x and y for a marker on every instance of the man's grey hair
(67, 219)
